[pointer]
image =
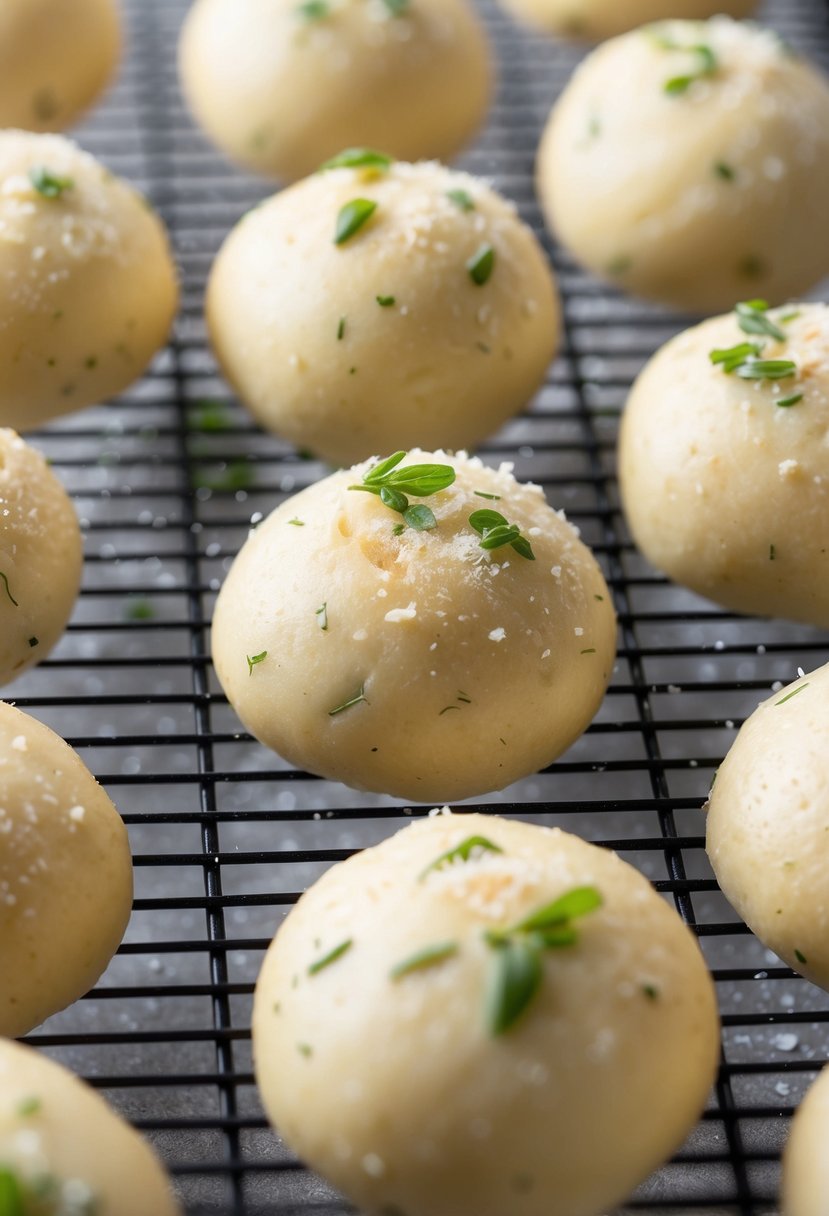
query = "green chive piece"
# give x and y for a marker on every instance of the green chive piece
(313, 10)
(578, 902)
(732, 357)
(359, 696)
(481, 265)
(724, 171)
(341, 329)
(786, 403)
(766, 369)
(352, 217)
(461, 852)
(491, 497)
(296, 523)
(305, 1049)
(791, 694)
(516, 978)
(49, 184)
(5, 579)
(28, 1106)
(801, 958)
(707, 66)
(330, 957)
(428, 957)
(386, 301)
(651, 992)
(322, 616)
(462, 200)
(772, 553)
(752, 319)
(358, 158)
(254, 659)
(12, 1199)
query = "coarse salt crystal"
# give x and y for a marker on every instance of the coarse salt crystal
(19, 743)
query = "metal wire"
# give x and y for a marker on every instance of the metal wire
(225, 835)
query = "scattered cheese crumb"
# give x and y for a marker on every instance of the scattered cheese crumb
(19, 743)
(402, 614)
(498, 635)
(77, 813)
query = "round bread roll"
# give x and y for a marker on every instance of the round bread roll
(56, 58)
(429, 1051)
(768, 819)
(64, 1151)
(65, 874)
(689, 163)
(281, 86)
(87, 285)
(805, 1182)
(723, 479)
(41, 553)
(431, 324)
(597, 19)
(415, 662)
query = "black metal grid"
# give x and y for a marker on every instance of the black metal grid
(225, 835)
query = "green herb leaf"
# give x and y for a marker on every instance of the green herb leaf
(752, 319)
(254, 659)
(481, 265)
(341, 329)
(5, 579)
(651, 992)
(791, 694)
(801, 958)
(461, 852)
(27, 1107)
(380, 470)
(420, 517)
(305, 1049)
(461, 199)
(392, 498)
(359, 696)
(732, 356)
(351, 218)
(297, 523)
(428, 957)
(358, 158)
(12, 1199)
(515, 980)
(578, 902)
(49, 184)
(330, 957)
(724, 171)
(322, 616)
(313, 10)
(421, 480)
(386, 301)
(396, 7)
(766, 369)
(707, 66)
(34, 642)
(496, 531)
(786, 403)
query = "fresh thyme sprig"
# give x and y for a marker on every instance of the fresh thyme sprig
(495, 530)
(393, 486)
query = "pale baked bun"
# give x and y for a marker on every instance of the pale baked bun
(768, 819)
(805, 1182)
(87, 285)
(281, 86)
(41, 554)
(473, 667)
(56, 58)
(386, 340)
(724, 486)
(432, 1093)
(64, 1150)
(598, 19)
(695, 177)
(65, 874)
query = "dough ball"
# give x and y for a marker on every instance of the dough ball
(56, 58)
(768, 819)
(65, 875)
(805, 1189)
(423, 1069)
(41, 553)
(689, 163)
(415, 663)
(597, 19)
(724, 484)
(282, 86)
(389, 339)
(87, 285)
(63, 1149)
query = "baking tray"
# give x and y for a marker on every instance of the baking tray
(167, 481)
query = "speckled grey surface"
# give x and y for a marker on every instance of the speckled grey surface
(139, 699)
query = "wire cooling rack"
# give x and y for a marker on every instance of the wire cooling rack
(167, 481)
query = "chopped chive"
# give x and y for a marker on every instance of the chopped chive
(139, 610)
(446, 709)
(801, 958)
(651, 992)
(590, 650)
(491, 497)
(254, 659)
(49, 184)
(359, 696)
(481, 265)
(28, 1106)
(297, 523)
(396, 7)
(766, 369)
(330, 957)
(305, 1049)
(386, 301)
(786, 402)
(351, 218)
(515, 980)
(427, 957)
(789, 316)
(772, 553)
(358, 158)
(751, 266)
(619, 265)
(707, 67)
(752, 319)
(5, 579)
(724, 171)
(313, 10)
(461, 199)
(791, 694)
(322, 616)
(341, 329)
